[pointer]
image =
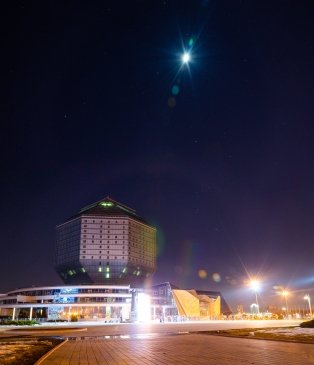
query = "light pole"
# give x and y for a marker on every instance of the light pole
(255, 285)
(285, 293)
(308, 298)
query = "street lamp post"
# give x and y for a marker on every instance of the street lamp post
(256, 301)
(285, 293)
(254, 284)
(308, 298)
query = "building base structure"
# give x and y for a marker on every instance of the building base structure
(81, 302)
(111, 303)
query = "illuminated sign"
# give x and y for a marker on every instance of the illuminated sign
(106, 204)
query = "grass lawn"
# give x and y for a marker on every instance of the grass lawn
(291, 334)
(25, 350)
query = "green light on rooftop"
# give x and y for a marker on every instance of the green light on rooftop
(106, 204)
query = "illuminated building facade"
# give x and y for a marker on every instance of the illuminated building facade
(172, 303)
(111, 303)
(84, 302)
(105, 243)
(104, 254)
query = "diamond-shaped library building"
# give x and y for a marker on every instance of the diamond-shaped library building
(104, 255)
(105, 243)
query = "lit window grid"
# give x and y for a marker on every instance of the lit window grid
(94, 234)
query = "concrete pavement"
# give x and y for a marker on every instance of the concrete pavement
(101, 329)
(191, 349)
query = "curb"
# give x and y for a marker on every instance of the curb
(50, 352)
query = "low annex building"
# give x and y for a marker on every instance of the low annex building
(90, 302)
(110, 303)
(170, 303)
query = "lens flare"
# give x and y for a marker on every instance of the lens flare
(216, 277)
(202, 274)
(175, 90)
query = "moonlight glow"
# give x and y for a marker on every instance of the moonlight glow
(186, 57)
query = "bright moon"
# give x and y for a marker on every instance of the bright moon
(186, 57)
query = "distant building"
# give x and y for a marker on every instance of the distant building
(105, 243)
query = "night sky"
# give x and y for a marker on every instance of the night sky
(218, 154)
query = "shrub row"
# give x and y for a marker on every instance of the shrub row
(308, 324)
(20, 323)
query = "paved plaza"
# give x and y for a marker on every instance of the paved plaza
(192, 349)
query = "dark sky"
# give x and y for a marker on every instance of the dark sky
(222, 164)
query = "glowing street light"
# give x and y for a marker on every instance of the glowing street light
(255, 285)
(308, 298)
